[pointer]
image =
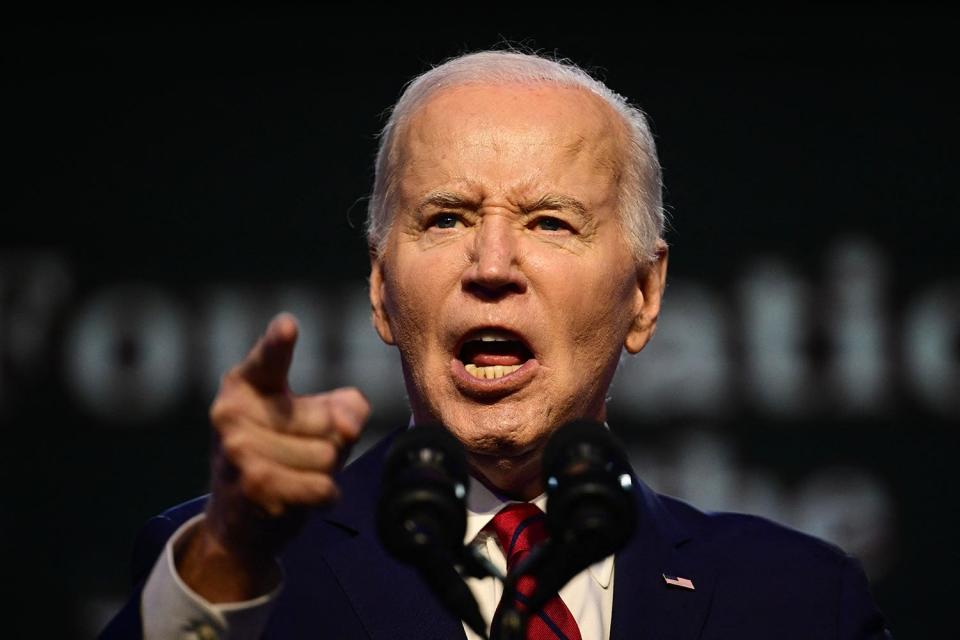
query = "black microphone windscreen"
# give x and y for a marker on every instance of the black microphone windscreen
(583, 441)
(422, 505)
(590, 489)
(422, 514)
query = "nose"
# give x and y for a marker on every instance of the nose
(495, 262)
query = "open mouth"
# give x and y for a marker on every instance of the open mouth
(493, 353)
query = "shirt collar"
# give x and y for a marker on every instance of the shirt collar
(483, 504)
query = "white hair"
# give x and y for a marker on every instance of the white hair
(641, 199)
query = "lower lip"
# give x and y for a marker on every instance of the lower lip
(495, 386)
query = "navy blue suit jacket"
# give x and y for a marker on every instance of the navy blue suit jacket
(753, 579)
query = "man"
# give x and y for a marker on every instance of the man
(515, 238)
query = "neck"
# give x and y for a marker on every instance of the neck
(514, 478)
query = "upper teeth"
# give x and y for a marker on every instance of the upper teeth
(493, 336)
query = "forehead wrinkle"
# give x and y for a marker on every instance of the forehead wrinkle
(605, 144)
(598, 140)
(573, 149)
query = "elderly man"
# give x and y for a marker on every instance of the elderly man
(515, 241)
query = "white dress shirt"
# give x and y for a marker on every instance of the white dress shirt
(589, 595)
(171, 610)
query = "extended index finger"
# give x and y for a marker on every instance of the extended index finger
(268, 362)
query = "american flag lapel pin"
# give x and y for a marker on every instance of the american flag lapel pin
(677, 581)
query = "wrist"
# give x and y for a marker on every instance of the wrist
(220, 572)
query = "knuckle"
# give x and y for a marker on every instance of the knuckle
(317, 413)
(231, 377)
(234, 445)
(222, 411)
(353, 397)
(347, 421)
(349, 393)
(324, 401)
(357, 403)
(255, 480)
(323, 489)
(226, 410)
(326, 453)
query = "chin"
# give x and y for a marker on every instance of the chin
(511, 427)
(498, 431)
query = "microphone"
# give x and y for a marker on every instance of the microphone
(422, 514)
(591, 513)
(591, 508)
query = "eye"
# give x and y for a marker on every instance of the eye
(549, 223)
(444, 221)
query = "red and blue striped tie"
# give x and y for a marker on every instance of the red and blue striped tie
(520, 527)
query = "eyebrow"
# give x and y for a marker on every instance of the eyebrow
(549, 202)
(447, 200)
(555, 202)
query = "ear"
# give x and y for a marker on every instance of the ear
(378, 296)
(651, 280)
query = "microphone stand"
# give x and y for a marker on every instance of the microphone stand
(446, 583)
(444, 572)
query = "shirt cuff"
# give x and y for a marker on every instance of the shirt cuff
(171, 610)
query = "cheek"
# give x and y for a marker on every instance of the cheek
(600, 310)
(415, 306)
(405, 306)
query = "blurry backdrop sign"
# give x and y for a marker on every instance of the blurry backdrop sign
(174, 180)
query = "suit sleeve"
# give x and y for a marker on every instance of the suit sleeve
(858, 616)
(150, 542)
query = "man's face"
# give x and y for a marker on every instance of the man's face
(507, 281)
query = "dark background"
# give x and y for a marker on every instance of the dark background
(174, 178)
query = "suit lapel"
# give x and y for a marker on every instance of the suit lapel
(645, 607)
(389, 597)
